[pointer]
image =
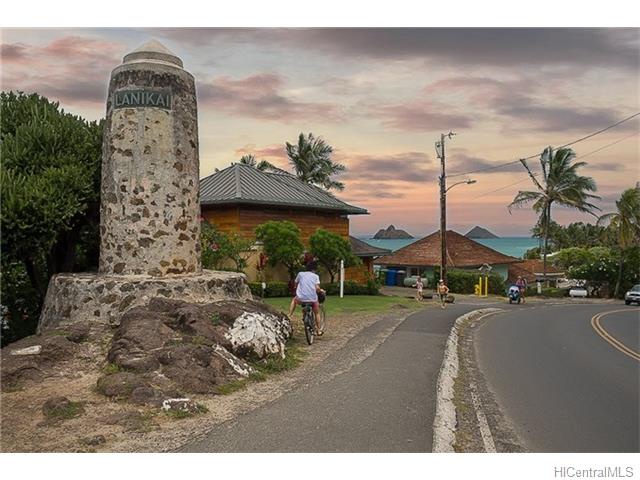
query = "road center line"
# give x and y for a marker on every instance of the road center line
(610, 339)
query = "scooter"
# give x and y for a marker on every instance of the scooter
(514, 294)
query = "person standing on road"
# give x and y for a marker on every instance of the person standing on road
(443, 291)
(419, 287)
(521, 283)
(307, 286)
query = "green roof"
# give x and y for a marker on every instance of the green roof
(243, 184)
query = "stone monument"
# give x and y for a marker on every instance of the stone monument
(150, 208)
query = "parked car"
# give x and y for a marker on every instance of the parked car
(633, 295)
(578, 292)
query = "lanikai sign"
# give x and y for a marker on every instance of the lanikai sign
(142, 98)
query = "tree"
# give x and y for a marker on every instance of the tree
(329, 248)
(50, 187)
(219, 248)
(311, 160)
(281, 243)
(625, 226)
(559, 184)
(262, 165)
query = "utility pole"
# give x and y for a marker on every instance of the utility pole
(440, 150)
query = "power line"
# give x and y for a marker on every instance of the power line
(537, 154)
(608, 145)
(580, 156)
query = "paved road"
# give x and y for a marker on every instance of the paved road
(561, 385)
(386, 403)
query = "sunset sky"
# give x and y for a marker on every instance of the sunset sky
(381, 98)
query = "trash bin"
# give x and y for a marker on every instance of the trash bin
(400, 276)
(390, 278)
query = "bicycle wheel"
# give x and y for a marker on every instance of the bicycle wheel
(308, 326)
(322, 319)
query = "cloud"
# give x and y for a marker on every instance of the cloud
(499, 47)
(405, 167)
(364, 191)
(459, 161)
(71, 69)
(262, 96)
(269, 152)
(419, 115)
(528, 113)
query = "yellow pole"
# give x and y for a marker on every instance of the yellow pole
(486, 285)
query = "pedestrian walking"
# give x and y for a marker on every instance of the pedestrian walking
(419, 287)
(443, 291)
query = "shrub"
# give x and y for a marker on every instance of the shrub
(273, 289)
(462, 281)
(548, 292)
(351, 288)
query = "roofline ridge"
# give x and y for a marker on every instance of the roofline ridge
(237, 179)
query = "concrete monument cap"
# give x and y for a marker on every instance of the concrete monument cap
(153, 52)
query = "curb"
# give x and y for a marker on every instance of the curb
(444, 423)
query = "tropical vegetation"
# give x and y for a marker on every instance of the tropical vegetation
(624, 225)
(251, 160)
(311, 160)
(558, 183)
(329, 249)
(50, 184)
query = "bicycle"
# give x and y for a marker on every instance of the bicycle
(309, 320)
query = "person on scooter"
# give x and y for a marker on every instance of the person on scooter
(521, 283)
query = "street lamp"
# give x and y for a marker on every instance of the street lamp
(468, 182)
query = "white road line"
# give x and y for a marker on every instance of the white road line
(485, 431)
(444, 422)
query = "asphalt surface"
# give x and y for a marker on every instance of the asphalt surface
(562, 387)
(385, 403)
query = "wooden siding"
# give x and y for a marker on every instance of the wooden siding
(360, 273)
(244, 220)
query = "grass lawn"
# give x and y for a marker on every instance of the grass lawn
(335, 305)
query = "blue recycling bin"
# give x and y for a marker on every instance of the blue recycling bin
(390, 278)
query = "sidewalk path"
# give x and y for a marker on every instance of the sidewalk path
(382, 403)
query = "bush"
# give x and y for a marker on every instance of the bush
(462, 281)
(281, 289)
(548, 292)
(273, 289)
(350, 288)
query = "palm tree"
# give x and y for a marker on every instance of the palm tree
(559, 184)
(262, 165)
(311, 160)
(625, 225)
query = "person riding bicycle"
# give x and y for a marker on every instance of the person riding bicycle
(307, 289)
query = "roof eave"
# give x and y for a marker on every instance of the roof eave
(244, 201)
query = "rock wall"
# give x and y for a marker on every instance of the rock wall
(104, 299)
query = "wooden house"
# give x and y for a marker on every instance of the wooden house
(240, 197)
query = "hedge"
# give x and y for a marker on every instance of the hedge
(463, 281)
(280, 289)
(273, 289)
(548, 292)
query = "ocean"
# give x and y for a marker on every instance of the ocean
(512, 246)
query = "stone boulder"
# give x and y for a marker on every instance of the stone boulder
(259, 334)
(171, 346)
(32, 358)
